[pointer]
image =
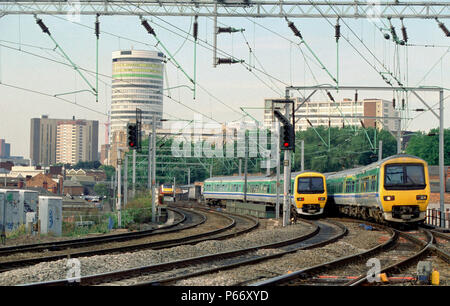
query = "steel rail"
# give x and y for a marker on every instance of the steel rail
(58, 245)
(300, 274)
(171, 280)
(9, 265)
(129, 273)
(426, 247)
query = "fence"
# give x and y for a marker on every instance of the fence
(434, 217)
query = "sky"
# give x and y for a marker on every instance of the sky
(277, 60)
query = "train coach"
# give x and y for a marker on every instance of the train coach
(309, 194)
(393, 190)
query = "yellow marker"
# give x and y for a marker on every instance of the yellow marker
(384, 278)
(435, 277)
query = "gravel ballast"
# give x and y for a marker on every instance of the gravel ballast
(107, 263)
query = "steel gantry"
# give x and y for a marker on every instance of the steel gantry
(234, 8)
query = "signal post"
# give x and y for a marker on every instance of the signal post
(287, 144)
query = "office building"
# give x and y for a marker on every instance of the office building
(341, 113)
(137, 83)
(63, 140)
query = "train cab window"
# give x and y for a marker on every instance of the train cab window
(310, 185)
(404, 176)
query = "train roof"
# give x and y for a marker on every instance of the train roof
(370, 166)
(327, 174)
(256, 178)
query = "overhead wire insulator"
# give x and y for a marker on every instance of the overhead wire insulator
(294, 29)
(394, 34)
(148, 27)
(195, 34)
(393, 103)
(228, 60)
(97, 27)
(42, 25)
(443, 28)
(404, 33)
(356, 96)
(403, 103)
(362, 123)
(337, 32)
(228, 30)
(330, 96)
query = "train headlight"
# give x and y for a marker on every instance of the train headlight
(389, 198)
(300, 199)
(321, 199)
(421, 197)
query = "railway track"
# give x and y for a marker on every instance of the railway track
(322, 234)
(132, 242)
(400, 251)
(240, 229)
(319, 235)
(73, 243)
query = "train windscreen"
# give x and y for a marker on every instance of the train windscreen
(310, 185)
(404, 176)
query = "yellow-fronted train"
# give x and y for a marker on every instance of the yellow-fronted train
(393, 190)
(309, 191)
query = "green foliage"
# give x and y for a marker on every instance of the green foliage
(348, 147)
(426, 146)
(109, 170)
(87, 165)
(70, 230)
(101, 189)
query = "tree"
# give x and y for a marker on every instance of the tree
(101, 189)
(109, 170)
(87, 165)
(426, 146)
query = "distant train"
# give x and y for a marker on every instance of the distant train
(309, 191)
(166, 189)
(395, 189)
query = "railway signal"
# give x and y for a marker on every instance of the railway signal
(287, 133)
(132, 133)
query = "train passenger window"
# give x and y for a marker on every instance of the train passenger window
(374, 183)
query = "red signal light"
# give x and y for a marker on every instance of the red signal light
(286, 144)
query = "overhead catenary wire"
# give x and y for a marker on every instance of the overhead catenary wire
(206, 44)
(123, 37)
(103, 75)
(297, 33)
(365, 46)
(45, 29)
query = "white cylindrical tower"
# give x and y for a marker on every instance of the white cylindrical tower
(137, 83)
